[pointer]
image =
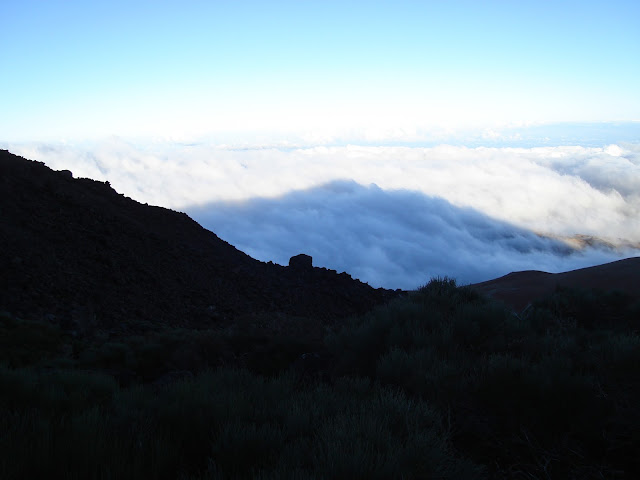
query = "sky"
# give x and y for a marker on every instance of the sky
(393, 140)
(321, 70)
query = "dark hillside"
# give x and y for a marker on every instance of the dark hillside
(77, 253)
(518, 289)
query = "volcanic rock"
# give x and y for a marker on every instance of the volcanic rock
(301, 262)
(69, 246)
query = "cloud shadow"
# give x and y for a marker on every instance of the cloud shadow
(388, 238)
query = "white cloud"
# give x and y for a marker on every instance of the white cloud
(396, 234)
(395, 239)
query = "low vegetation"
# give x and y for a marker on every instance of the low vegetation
(442, 383)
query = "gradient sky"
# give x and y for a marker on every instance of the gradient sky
(74, 70)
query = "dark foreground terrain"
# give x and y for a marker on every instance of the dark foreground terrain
(135, 344)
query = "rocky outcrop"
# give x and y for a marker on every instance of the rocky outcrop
(301, 262)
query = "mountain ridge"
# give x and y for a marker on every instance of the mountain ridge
(77, 252)
(518, 289)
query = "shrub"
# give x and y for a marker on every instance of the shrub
(24, 343)
(523, 390)
(227, 424)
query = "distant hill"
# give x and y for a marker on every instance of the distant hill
(518, 289)
(75, 252)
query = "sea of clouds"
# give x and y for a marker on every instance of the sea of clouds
(392, 216)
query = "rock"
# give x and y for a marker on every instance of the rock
(301, 262)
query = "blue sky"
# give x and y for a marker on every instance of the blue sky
(80, 70)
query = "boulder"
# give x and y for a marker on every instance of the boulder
(301, 262)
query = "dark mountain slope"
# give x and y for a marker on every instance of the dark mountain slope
(75, 251)
(518, 289)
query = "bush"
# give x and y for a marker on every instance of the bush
(413, 385)
(24, 343)
(529, 390)
(227, 424)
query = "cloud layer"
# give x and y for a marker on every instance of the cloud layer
(443, 210)
(395, 239)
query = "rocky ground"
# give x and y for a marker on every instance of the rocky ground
(76, 253)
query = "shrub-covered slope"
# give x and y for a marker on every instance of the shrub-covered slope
(440, 384)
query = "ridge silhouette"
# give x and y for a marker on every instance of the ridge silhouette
(76, 251)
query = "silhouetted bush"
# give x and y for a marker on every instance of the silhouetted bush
(24, 343)
(226, 424)
(436, 384)
(593, 309)
(533, 392)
